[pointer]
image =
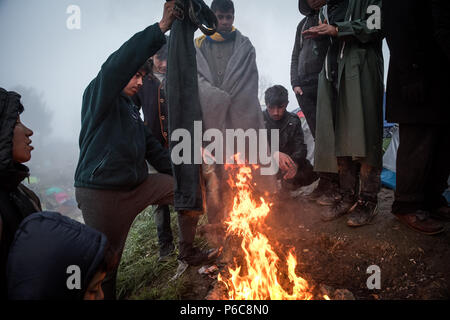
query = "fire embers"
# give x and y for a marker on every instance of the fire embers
(257, 275)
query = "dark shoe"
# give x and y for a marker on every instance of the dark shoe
(420, 221)
(443, 213)
(321, 188)
(339, 209)
(166, 251)
(362, 214)
(196, 257)
(329, 198)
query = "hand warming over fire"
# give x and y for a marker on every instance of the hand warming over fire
(286, 165)
(322, 29)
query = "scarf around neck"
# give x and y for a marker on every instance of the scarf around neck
(223, 37)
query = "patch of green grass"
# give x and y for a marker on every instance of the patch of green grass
(386, 143)
(141, 276)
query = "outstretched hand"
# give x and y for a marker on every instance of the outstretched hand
(322, 29)
(169, 16)
(286, 165)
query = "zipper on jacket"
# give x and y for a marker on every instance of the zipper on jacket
(93, 174)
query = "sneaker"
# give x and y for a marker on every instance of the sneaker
(198, 257)
(166, 251)
(339, 209)
(362, 214)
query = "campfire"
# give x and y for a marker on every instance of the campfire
(257, 276)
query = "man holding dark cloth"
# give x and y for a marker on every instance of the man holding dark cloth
(112, 181)
(418, 35)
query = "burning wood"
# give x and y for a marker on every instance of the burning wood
(257, 276)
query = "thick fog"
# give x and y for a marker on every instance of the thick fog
(50, 65)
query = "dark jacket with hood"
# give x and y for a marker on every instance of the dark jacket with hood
(45, 246)
(16, 201)
(152, 98)
(308, 54)
(114, 142)
(418, 35)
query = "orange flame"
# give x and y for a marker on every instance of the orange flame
(260, 281)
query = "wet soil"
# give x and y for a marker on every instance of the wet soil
(413, 266)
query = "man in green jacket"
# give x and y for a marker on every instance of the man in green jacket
(112, 181)
(349, 108)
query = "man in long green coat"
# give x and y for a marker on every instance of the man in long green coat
(349, 108)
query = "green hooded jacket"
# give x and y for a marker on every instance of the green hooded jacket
(353, 127)
(114, 142)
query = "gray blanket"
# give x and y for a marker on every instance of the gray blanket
(235, 105)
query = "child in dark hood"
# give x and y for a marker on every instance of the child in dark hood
(16, 201)
(56, 258)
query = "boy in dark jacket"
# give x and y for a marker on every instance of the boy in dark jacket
(296, 170)
(307, 61)
(56, 258)
(112, 181)
(16, 201)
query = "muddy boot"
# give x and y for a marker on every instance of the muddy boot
(327, 191)
(166, 251)
(363, 213)
(339, 209)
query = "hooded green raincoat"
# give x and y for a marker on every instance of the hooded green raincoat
(354, 126)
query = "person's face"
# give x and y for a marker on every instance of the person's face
(94, 291)
(159, 65)
(225, 20)
(22, 143)
(135, 84)
(316, 4)
(277, 112)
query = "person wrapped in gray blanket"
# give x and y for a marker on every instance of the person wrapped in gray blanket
(228, 87)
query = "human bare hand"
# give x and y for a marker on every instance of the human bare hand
(322, 29)
(168, 16)
(292, 172)
(285, 163)
(298, 90)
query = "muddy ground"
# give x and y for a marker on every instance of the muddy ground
(413, 266)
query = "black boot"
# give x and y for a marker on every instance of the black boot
(339, 208)
(363, 213)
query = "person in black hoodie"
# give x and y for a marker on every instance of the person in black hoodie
(16, 201)
(54, 257)
(307, 61)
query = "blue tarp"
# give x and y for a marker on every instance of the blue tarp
(388, 179)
